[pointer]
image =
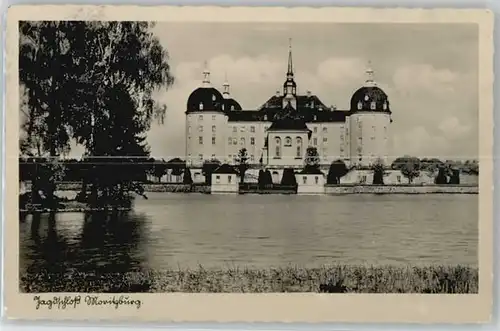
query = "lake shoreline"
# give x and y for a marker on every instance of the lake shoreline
(342, 189)
(325, 279)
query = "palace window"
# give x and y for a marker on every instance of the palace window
(213, 116)
(325, 140)
(213, 128)
(278, 147)
(384, 106)
(304, 179)
(252, 128)
(315, 141)
(200, 128)
(252, 141)
(299, 147)
(315, 130)
(213, 97)
(235, 129)
(213, 156)
(315, 118)
(229, 140)
(242, 129)
(360, 105)
(200, 156)
(251, 158)
(316, 179)
(189, 129)
(200, 140)
(242, 141)
(288, 141)
(200, 118)
(232, 107)
(213, 140)
(235, 142)
(373, 105)
(325, 130)
(217, 179)
(200, 106)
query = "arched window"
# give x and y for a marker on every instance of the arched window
(278, 147)
(242, 141)
(213, 97)
(232, 107)
(201, 106)
(265, 117)
(360, 105)
(384, 106)
(299, 147)
(288, 141)
(373, 105)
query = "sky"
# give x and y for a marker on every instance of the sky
(429, 71)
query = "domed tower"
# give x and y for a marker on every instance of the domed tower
(369, 120)
(206, 124)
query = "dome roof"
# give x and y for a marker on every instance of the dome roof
(370, 98)
(205, 99)
(231, 104)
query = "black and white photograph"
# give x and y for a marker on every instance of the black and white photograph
(240, 157)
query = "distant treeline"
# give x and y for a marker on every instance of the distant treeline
(73, 170)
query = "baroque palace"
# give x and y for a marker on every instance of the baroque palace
(277, 134)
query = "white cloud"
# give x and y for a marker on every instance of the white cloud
(452, 127)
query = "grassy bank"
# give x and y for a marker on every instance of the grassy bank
(329, 279)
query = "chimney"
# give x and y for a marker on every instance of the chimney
(308, 93)
(278, 93)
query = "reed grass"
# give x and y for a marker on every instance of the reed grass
(329, 279)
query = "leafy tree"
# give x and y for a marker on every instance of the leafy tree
(265, 179)
(187, 179)
(209, 166)
(288, 178)
(177, 166)
(242, 160)
(93, 81)
(409, 167)
(158, 168)
(42, 64)
(378, 172)
(441, 177)
(455, 177)
(337, 170)
(431, 165)
(311, 160)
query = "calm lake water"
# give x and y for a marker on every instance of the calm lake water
(177, 230)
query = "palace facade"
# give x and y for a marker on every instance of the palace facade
(277, 134)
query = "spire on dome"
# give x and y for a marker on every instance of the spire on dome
(206, 75)
(289, 87)
(226, 87)
(289, 72)
(370, 81)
